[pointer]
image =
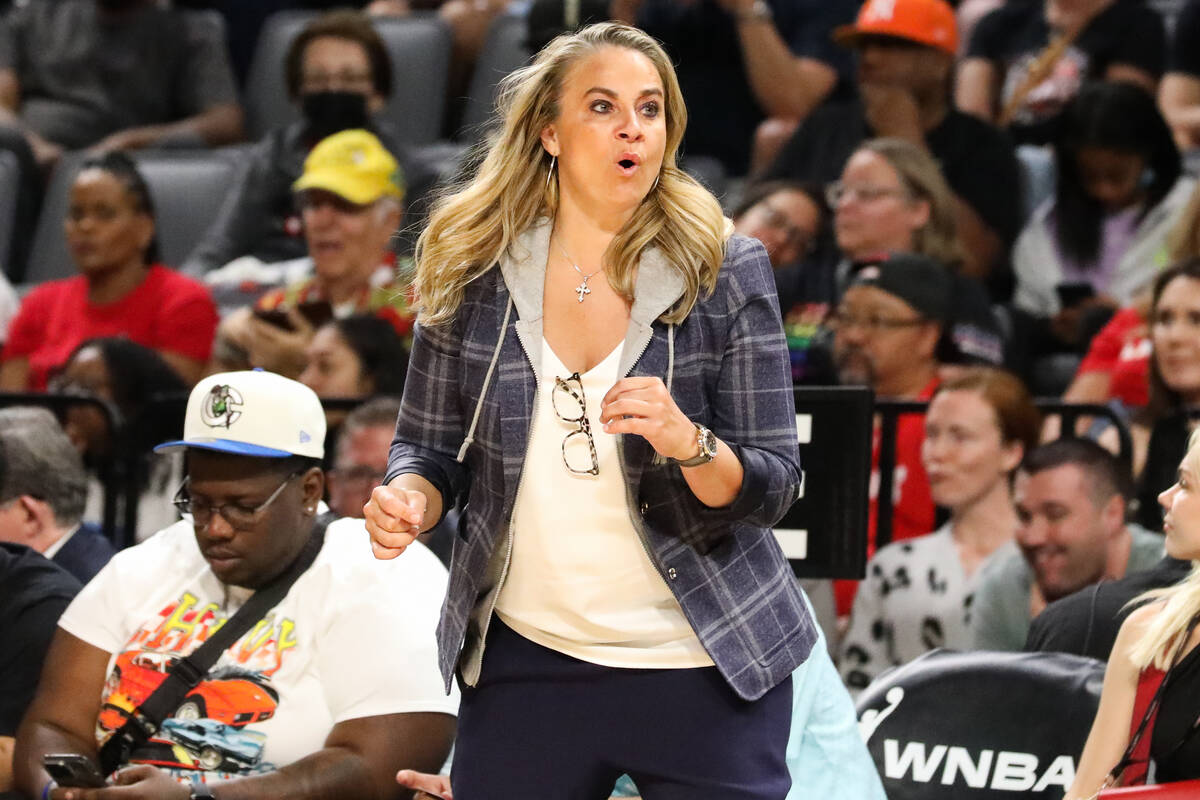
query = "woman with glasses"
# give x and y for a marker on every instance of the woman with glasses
(916, 593)
(1148, 710)
(599, 364)
(891, 198)
(338, 72)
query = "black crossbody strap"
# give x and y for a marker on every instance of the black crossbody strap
(144, 720)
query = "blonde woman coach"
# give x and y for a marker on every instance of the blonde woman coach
(602, 369)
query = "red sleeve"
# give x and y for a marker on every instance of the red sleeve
(188, 319)
(1106, 345)
(27, 330)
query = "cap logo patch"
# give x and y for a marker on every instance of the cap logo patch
(220, 407)
(883, 9)
(304, 437)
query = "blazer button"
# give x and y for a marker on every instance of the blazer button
(645, 508)
(671, 573)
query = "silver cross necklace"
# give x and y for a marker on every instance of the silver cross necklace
(582, 289)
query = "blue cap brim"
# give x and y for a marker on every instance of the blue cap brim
(226, 446)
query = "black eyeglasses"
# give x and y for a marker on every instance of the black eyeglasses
(236, 514)
(804, 240)
(844, 320)
(569, 404)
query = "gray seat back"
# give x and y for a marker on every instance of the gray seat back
(10, 176)
(503, 51)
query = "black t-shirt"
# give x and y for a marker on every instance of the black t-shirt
(1185, 41)
(1014, 35)
(977, 160)
(1175, 743)
(34, 592)
(1086, 623)
(702, 40)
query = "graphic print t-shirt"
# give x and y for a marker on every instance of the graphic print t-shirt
(353, 638)
(1014, 35)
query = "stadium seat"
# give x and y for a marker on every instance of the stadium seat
(10, 171)
(187, 188)
(980, 725)
(419, 46)
(503, 51)
(1037, 176)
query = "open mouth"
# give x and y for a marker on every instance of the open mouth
(628, 163)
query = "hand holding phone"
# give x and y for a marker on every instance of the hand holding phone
(73, 771)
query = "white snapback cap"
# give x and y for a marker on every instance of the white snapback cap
(253, 413)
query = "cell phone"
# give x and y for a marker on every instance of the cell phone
(1072, 294)
(73, 771)
(274, 316)
(317, 312)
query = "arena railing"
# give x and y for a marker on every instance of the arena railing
(117, 471)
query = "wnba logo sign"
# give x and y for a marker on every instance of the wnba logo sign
(220, 406)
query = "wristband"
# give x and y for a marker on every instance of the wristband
(50, 786)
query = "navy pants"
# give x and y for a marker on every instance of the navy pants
(543, 725)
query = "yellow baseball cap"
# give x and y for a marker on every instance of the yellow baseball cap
(354, 165)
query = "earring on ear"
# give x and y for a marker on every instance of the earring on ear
(656, 177)
(550, 173)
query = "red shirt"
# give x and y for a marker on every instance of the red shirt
(1122, 349)
(912, 505)
(166, 311)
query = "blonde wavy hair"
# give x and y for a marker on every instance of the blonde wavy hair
(923, 180)
(474, 223)
(1180, 602)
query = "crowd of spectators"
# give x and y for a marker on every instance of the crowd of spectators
(966, 205)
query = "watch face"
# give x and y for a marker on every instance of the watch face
(708, 442)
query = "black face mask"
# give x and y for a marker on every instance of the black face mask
(330, 112)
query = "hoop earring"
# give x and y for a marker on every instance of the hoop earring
(553, 161)
(656, 177)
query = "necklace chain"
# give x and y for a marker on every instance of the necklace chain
(582, 289)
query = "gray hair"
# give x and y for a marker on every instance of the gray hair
(37, 459)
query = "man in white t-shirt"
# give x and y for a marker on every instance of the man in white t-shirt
(333, 690)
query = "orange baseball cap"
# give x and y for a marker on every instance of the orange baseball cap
(927, 22)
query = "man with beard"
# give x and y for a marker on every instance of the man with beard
(109, 74)
(1071, 502)
(886, 333)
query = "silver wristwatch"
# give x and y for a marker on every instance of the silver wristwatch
(707, 441)
(200, 791)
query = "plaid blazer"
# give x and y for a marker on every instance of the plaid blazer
(727, 368)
